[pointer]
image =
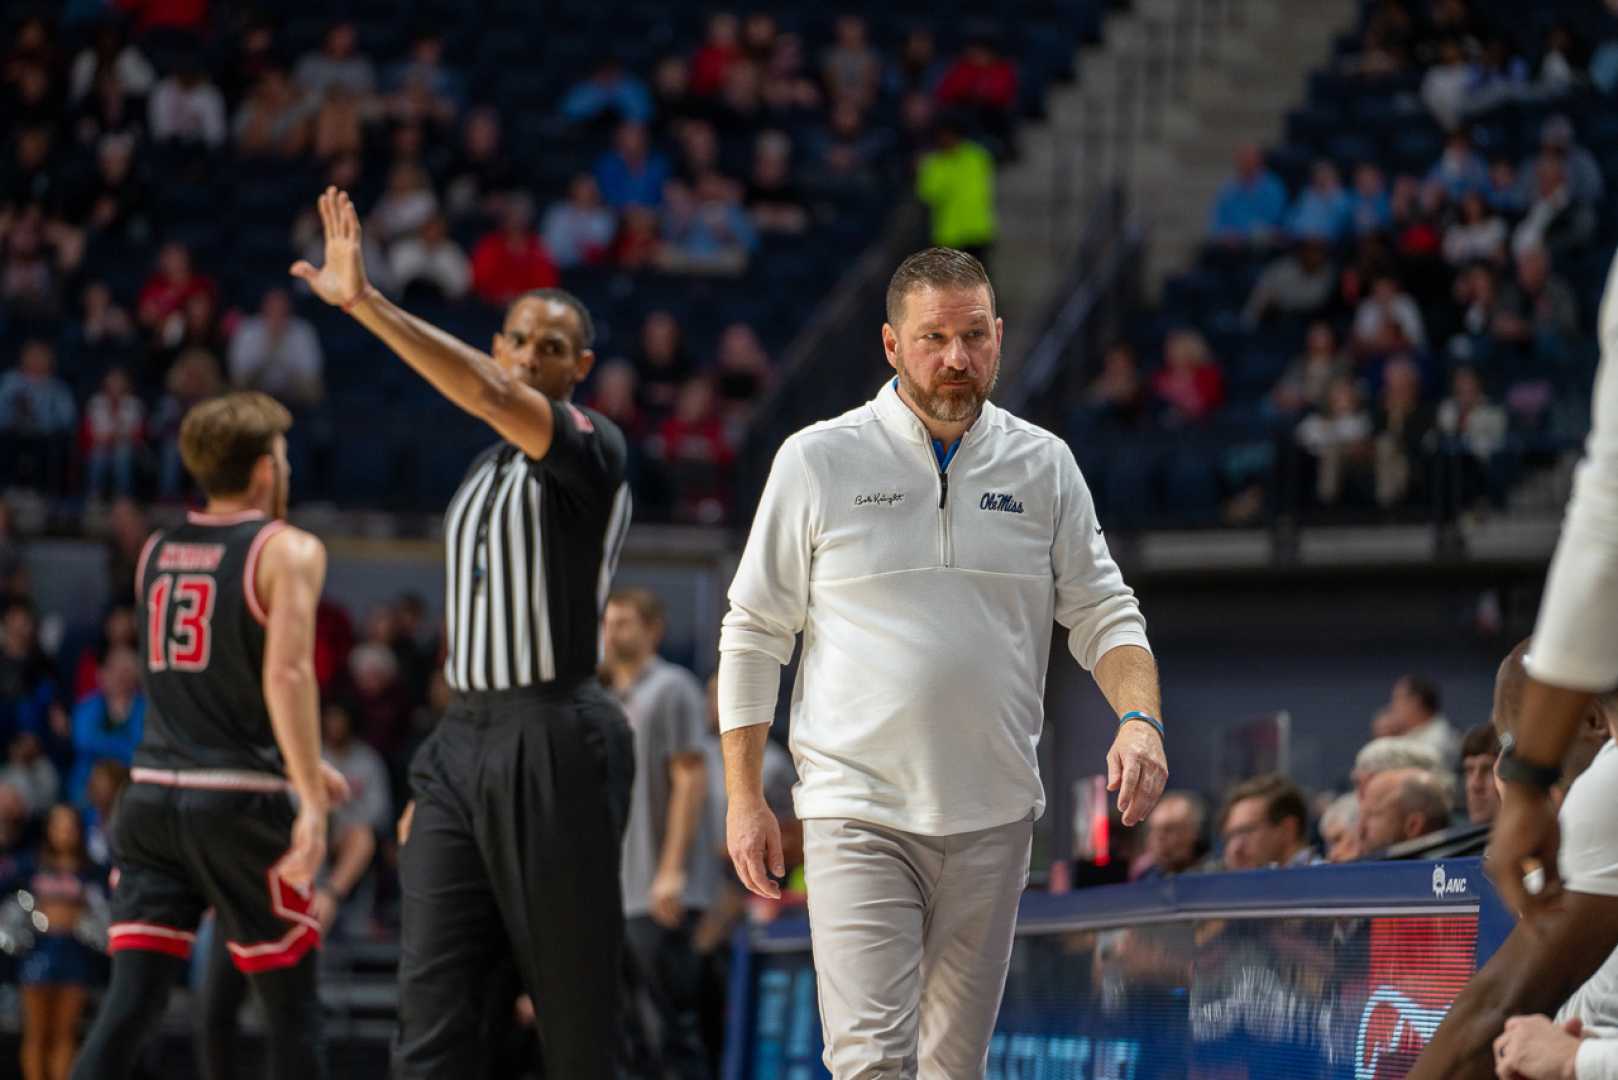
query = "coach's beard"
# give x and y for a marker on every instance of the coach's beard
(941, 404)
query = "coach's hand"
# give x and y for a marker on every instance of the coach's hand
(754, 838)
(302, 861)
(1525, 836)
(1137, 769)
(341, 281)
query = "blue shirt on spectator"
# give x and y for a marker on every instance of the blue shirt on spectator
(95, 738)
(623, 186)
(1460, 175)
(1316, 215)
(625, 95)
(1243, 208)
(1370, 213)
(35, 406)
(712, 230)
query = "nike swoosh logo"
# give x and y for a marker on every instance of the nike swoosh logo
(1098, 530)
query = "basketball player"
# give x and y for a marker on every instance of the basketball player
(923, 544)
(1574, 655)
(227, 628)
(522, 791)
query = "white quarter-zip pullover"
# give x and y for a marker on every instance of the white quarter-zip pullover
(925, 596)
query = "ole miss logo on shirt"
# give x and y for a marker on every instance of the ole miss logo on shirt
(1004, 503)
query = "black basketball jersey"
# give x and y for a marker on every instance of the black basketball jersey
(202, 646)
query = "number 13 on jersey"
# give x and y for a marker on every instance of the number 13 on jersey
(186, 643)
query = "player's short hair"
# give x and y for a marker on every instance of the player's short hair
(1481, 739)
(223, 438)
(644, 601)
(935, 268)
(1282, 800)
(587, 326)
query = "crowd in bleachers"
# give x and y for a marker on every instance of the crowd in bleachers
(1392, 314)
(699, 184)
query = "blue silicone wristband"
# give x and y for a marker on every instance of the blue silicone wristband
(1136, 714)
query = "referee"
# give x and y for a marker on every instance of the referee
(522, 792)
(923, 544)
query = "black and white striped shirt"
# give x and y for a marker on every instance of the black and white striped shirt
(530, 548)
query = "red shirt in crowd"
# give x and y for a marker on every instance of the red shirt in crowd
(180, 14)
(709, 67)
(162, 296)
(991, 82)
(1193, 393)
(504, 267)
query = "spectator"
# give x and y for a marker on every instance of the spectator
(431, 260)
(1323, 211)
(1479, 749)
(255, 54)
(1303, 386)
(773, 197)
(1557, 140)
(704, 229)
(610, 91)
(113, 203)
(187, 109)
(1265, 822)
(1475, 428)
(168, 14)
(1540, 309)
(1369, 207)
(956, 181)
(1387, 752)
(118, 629)
(161, 304)
(193, 378)
(512, 260)
(637, 244)
(422, 89)
(663, 362)
(1252, 204)
(631, 173)
(1403, 428)
(31, 279)
(115, 421)
(407, 205)
(579, 230)
(1479, 235)
(107, 782)
(1555, 221)
(28, 686)
(1174, 836)
(377, 699)
(846, 154)
(338, 127)
(106, 329)
(33, 175)
(483, 172)
(1460, 168)
(1117, 398)
(1340, 829)
(667, 873)
(278, 352)
(127, 533)
(1296, 285)
(309, 239)
(37, 418)
(1388, 321)
(108, 724)
(1190, 384)
(30, 774)
(112, 54)
(918, 69)
(851, 68)
(673, 103)
(1413, 712)
(108, 111)
(1339, 439)
(615, 395)
(12, 568)
(692, 445)
(718, 54)
(348, 886)
(337, 64)
(743, 375)
(1446, 87)
(983, 84)
(274, 120)
(1400, 805)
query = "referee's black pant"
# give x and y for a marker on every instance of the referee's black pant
(515, 849)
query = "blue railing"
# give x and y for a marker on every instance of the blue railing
(1328, 972)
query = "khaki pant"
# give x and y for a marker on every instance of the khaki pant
(912, 938)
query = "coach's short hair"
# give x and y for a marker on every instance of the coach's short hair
(223, 438)
(587, 326)
(935, 268)
(644, 601)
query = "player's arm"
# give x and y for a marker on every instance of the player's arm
(1544, 959)
(688, 788)
(469, 377)
(291, 573)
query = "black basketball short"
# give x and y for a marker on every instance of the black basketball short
(183, 842)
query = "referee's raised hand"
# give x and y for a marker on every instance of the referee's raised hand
(341, 280)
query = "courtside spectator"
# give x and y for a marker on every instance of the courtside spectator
(1413, 712)
(1252, 205)
(1174, 836)
(1340, 829)
(512, 260)
(1265, 822)
(279, 353)
(1400, 805)
(1388, 752)
(956, 181)
(1479, 749)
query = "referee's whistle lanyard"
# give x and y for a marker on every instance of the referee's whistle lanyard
(480, 555)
